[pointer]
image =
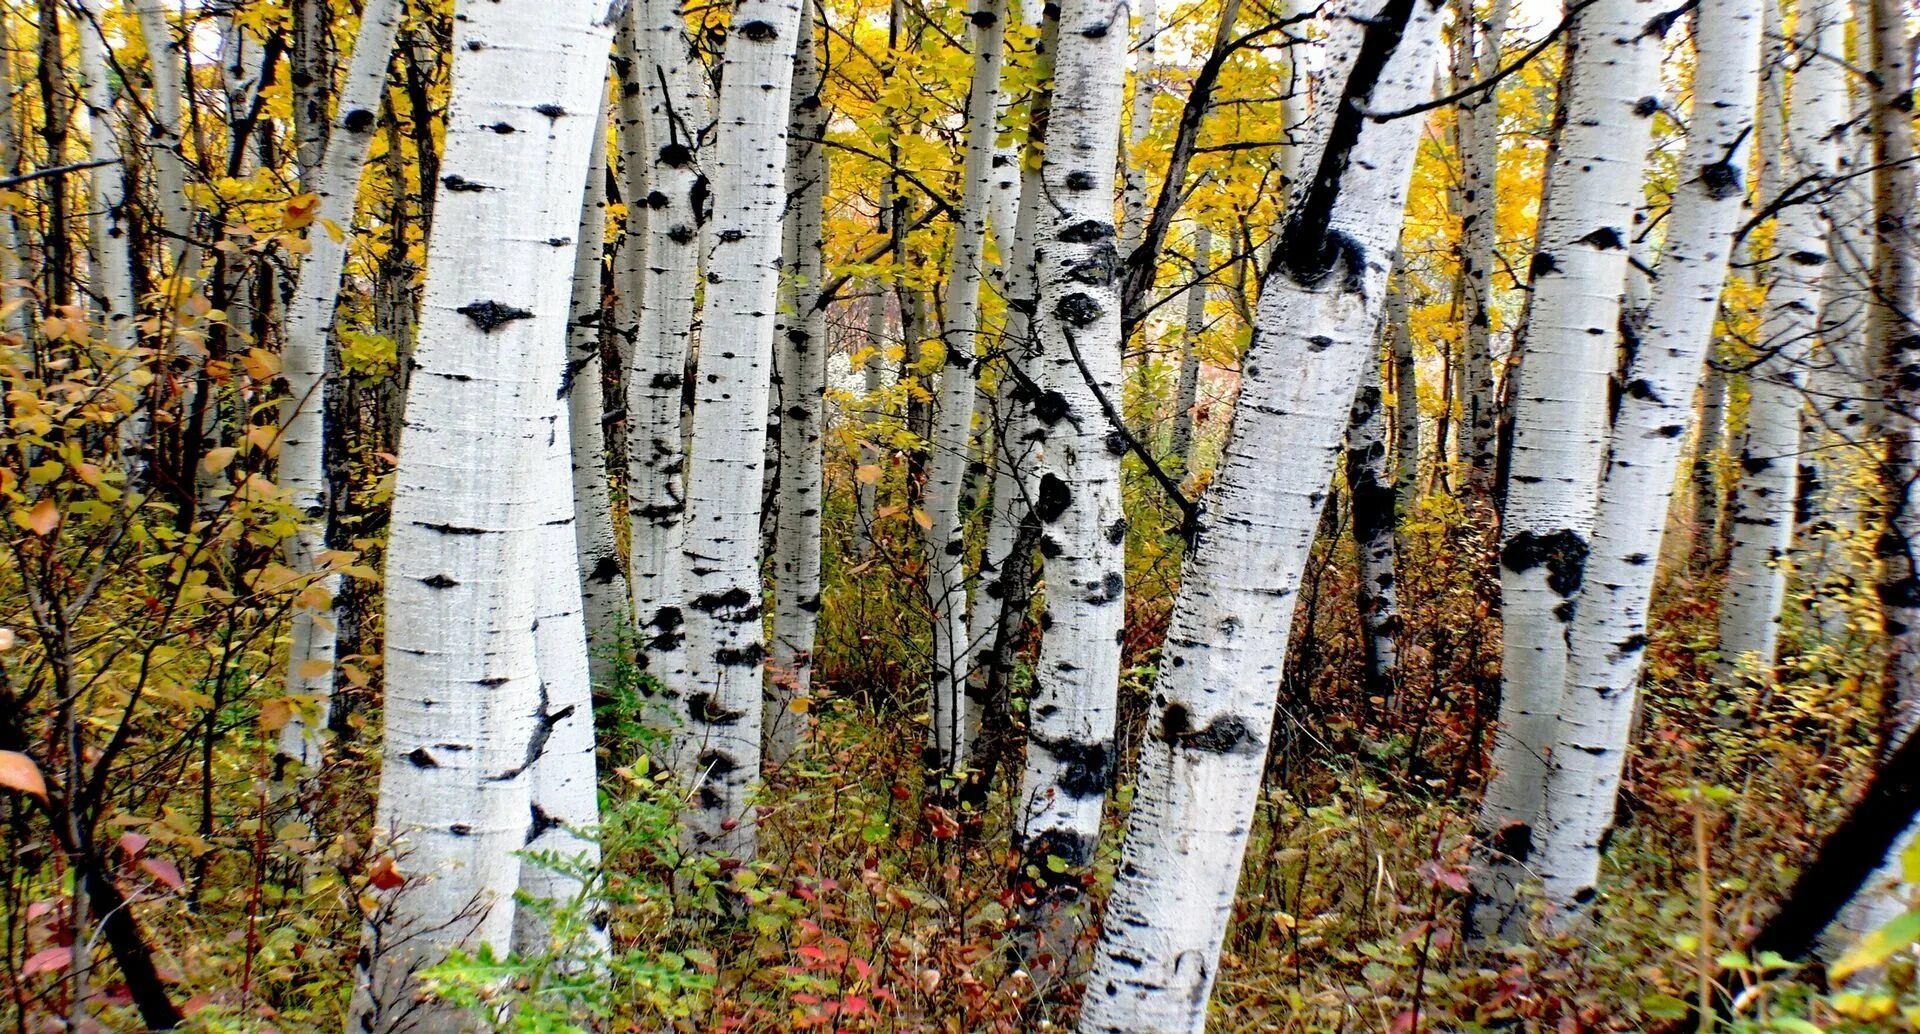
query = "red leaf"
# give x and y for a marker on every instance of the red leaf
(131, 844)
(164, 871)
(52, 960)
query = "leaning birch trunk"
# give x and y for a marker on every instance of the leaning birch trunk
(1479, 129)
(1187, 390)
(563, 790)
(961, 341)
(1372, 500)
(1133, 176)
(1560, 423)
(1202, 760)
(304, 361)
(718, 749)
(109, 221)
(656, 502)
(462, 707)
(803, 376)
(603, 587)
(1763, 505)
(1609, 632)
(1077, 499)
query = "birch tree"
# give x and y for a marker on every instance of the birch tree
(603, 587)
(1608, 635)
(334, 180)
(1560, 417)
(718, 748)
(668, 278)
(1077, 496)
(463, 712)
(803, 374)
(961, 339)
(1202, 760)
(1187, 388)
(1133, 176)
(1763, 505)
(109, 223)
(1374, 505)
(1478, 127)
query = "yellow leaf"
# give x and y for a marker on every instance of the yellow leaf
(261, 364)
(923, 519)
(868, 472)
(800, 705)
(300, 211)
(275, 714)
(18, 772)
(217, 460)
(312, 669)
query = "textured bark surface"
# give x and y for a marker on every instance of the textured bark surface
(1762, 513)
(463, 689)
(109, 224)
(718, 748)
(961, 339)
(1609, 632)
(662, 304)
(1560, 420)
(1187, 389)
(1133, 171)
(802, 345)
(1077, 495)
(1479, 134)
(305, 360)
(1202, 761)
(1372, 502)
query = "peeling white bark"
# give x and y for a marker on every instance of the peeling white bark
(1609, 632)
(462, 680)
(1560, 420)
(718, 748)
(1202, 760)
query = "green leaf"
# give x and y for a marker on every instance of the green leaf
(1664, 1007)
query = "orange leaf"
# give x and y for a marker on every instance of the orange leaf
(43, 518)
(300, 211)
(385, 875)
(868, 472)
(275, 714)
(18, 772)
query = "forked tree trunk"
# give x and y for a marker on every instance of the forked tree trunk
(1202, 761)
(961, 341)
(1609, 632)
(1763, 506)
(304, 360)
(664, 303)
(717, 750)
(1560, 422)
(803, 376)
(463, 708)
(603, 587)
(1077, 497)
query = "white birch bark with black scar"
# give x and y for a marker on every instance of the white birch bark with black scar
(1560, 422)
(1609, 633)
(335, 182)
(1373, 503)
(960, 340)
(717, 750)
(1077, 498)
(803, 374)
(1203, 757)
(667, 275)
(1763, 501)
(470, 499)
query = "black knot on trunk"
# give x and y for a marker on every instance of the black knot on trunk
(1054, 498)
(490, 316)
(1605, 238)
(460, 184)
(1721, 180)
(359, 120)
(1078, 309)
(1050, 408)
(1086, 769)
(1087, 231)
(1563, 552)
(676, 155)
(759, 31)
(705, 707)
(1079, 181)
(1226, 734)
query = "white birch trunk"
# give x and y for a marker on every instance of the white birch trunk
(163, 130)
(304, 360)
(1560, 420)
(1406, 402)
(718, 749)
(1762, 514)
(108, 222)
(663, 331)
(1187, 390)
(1202, 760)
(1133, 172)
(961, 339)
(1373, 504)
(1609, 632)
(1479, 130)
(803, 375)
(564, 787)
(603, 586)
(471, 499)
(1077, 500)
